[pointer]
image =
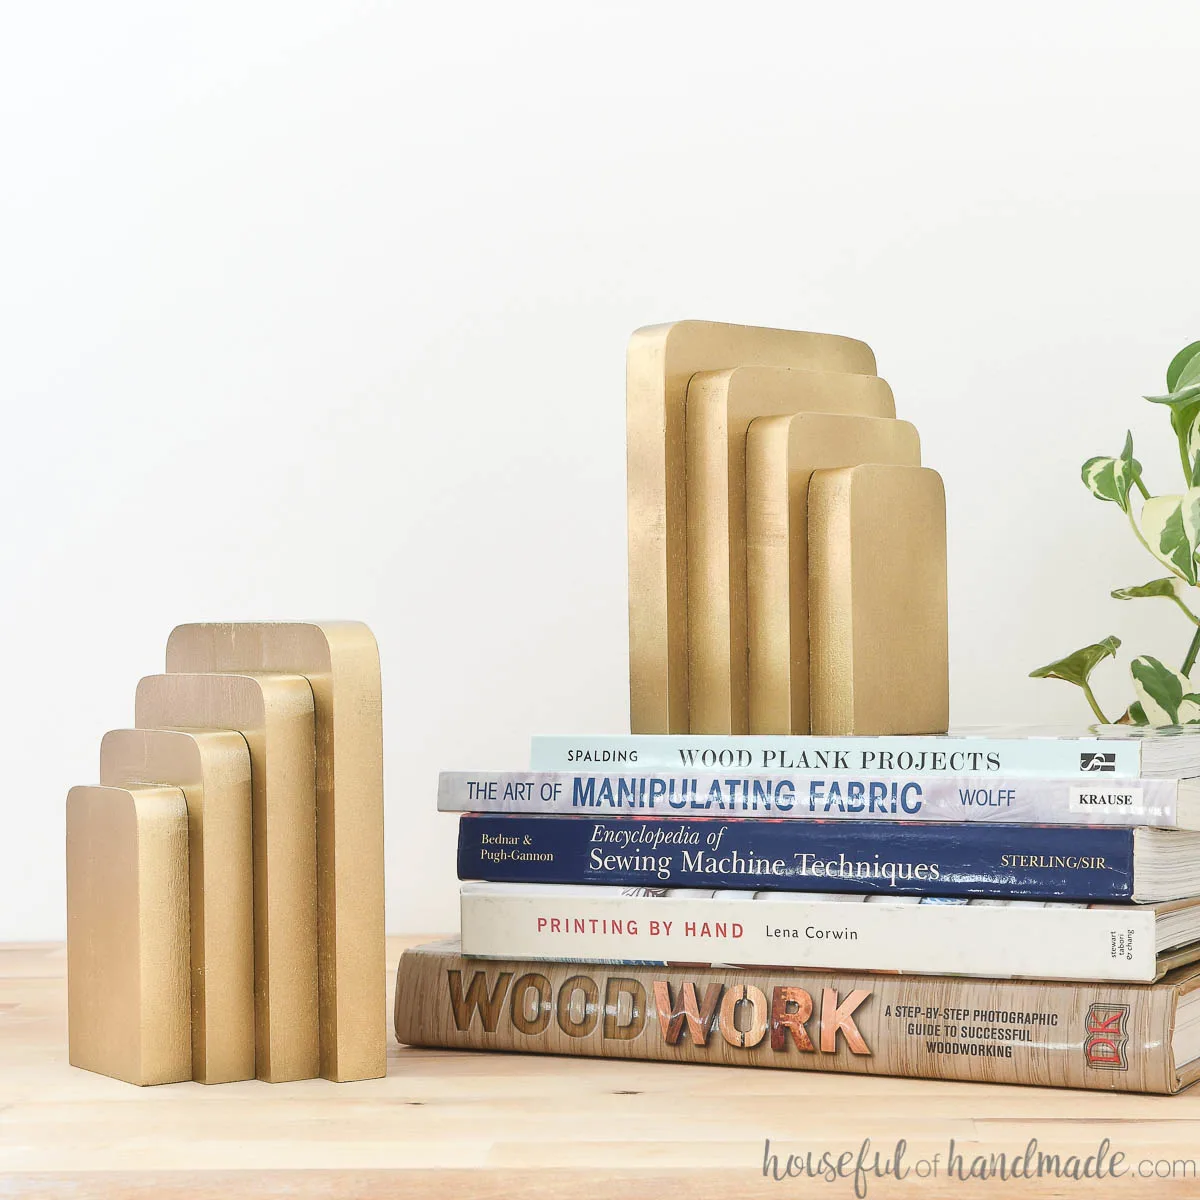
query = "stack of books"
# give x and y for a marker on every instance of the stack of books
(1007, 906)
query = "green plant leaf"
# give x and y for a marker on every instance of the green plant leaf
(1112, 478)
(1156, 587)
(1166, 696)
(1188, 357)
(1167, 533)
(1135, 714)
(1192, 446)
(1077, 668)
(1098, 478)
(1179, 397)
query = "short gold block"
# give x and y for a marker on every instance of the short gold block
(781, 455)
(275, 715)
(128, 1009)
(877, 595)
(661, 361)
(720, 407)
(212, 769)
(341, 662)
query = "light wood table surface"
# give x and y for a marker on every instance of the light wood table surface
(447, 1124)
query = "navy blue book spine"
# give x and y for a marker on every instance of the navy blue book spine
(1036, 862)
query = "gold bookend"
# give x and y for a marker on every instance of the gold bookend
(781, 455)
(341, 662)
(128, 1005)
(212, 770)
(661, 361)
(720, 407)
(877, 599)
(274, 712)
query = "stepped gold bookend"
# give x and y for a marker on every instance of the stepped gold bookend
(720, 407)
(781, 455)
(877, 601)
(128, 1004)
(340, 659)
(212, 769)
(661, 361)
(275, 715)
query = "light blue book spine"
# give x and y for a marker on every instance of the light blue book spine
(1101, 800)
(1014, 758)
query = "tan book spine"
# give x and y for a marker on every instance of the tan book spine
(1105, 1037)
(661, 360)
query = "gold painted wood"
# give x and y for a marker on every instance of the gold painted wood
(661, 360)
(275, 715)
(720, 407)
(877, 594)
(127, 933)
(447, 1123)
(212, 770)
(341, 662)
(781, 455)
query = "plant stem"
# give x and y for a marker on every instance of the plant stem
(1191, 616)
(1183, 458)
(1141, 487)
(1193, 650)
(1091, 697)
(1141, 537)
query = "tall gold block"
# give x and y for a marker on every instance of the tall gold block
(661, 361)
(128, 1009)
(720, 407)
(877, 595)
(341, 662)
(781, 455)
(274, 713)
(212, 770)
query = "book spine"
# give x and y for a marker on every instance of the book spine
(893, 858)
(974, 798)
(1103, 1037)
(788, 929)
(1027, 758)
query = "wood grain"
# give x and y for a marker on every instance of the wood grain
(720, 407)
(504, 1126)
(340, 660)
(661, 360)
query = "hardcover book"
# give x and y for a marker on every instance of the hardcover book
(1040, 862)
(1121, 751)
(1111, 1038)
(830, 796)
(832, 930)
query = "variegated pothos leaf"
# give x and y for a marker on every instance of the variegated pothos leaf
(1167, 534)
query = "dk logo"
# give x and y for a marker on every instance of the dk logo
(1105, 1037)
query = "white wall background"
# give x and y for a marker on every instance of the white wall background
(320, 309)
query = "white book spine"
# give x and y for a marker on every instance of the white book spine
(587, 924)
(1027, 757)
(1072, 801)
